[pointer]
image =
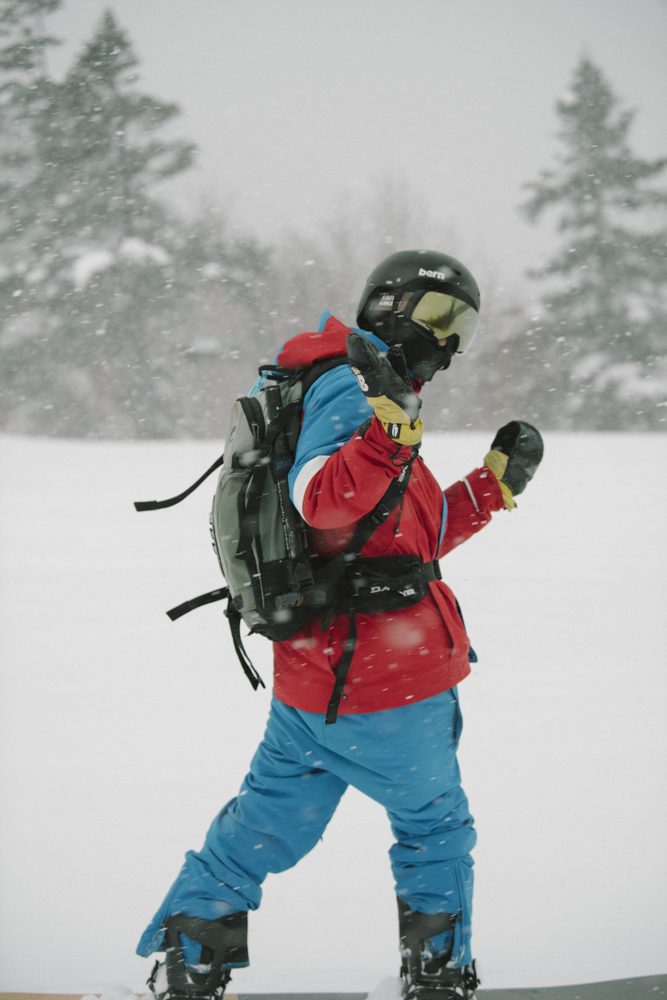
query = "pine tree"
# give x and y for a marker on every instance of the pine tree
(606, 310)
(90, 250)
(118, 318)
(24, 41)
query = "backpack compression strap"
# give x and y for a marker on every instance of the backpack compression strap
(234, 619)
(311, 376)
(275, 428)
(159, 504)
(198, 602)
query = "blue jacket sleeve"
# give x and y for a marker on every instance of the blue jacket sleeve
(333, 408)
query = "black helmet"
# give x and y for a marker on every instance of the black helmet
(425, 301)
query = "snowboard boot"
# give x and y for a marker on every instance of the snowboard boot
(427, 976)
(224, 943)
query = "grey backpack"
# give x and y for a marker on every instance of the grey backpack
(274, 583)
(261, 541)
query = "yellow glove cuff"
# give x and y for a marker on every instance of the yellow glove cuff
(496, 461)
(404, 433)
(395, 421)
(387, 411)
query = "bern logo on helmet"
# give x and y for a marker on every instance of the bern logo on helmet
(433, 274)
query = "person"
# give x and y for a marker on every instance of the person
(397, 716)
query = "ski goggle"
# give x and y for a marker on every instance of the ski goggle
(445, 316)
(440, 313)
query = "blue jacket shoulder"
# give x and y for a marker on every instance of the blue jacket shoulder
(333, 408)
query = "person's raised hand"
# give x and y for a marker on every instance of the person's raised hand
(516, 452)
(385, 383)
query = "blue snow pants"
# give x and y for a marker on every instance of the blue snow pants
(404, 758)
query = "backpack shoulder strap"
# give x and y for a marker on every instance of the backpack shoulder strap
(332, 572)
(391, 499)
(318, 369)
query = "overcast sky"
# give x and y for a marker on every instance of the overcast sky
(297, 105)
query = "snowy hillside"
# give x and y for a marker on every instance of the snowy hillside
(124, 733)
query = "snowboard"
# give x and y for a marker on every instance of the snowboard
(637, 988)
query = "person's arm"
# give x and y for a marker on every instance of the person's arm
(470, 503)
(515, 455)
(343, 463)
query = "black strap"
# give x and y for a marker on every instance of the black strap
(276, 425)
(342, 672)
(472, 655)
(159, 504)
(310, 375)
(255, 416)
(249, 502)
(389, 502)
(278, 370)
(250, 499)
(198, 602)
(307, 374)
(234, 618)
(415, 927)
(274, 428)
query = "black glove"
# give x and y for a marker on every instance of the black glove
(515, 454)
(385, 383)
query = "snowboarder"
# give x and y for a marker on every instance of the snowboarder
(395, 671)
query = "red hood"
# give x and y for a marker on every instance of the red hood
(306, 348)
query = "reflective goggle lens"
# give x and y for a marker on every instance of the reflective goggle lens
(444, 315)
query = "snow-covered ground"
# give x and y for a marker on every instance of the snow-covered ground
(123, 733)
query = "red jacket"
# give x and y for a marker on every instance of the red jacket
(400, 656)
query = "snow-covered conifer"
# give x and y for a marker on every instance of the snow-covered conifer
(606, 306)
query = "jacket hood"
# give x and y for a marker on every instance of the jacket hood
(306, 348)
(326, 342)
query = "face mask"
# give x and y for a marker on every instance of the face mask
(424, 353)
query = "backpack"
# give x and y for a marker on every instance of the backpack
(263, 545)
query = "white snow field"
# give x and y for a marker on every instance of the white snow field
(124, 733)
